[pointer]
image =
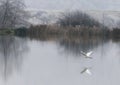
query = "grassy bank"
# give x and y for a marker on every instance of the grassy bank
(6, 32)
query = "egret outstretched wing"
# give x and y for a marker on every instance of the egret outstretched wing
(89, 53)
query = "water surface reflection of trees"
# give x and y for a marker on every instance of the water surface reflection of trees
(11, 51)
(74, 46)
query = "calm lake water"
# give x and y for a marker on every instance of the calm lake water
(25, 61)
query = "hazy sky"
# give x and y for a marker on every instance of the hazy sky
(74, 4)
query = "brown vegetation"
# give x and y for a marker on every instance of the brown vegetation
(69, 30)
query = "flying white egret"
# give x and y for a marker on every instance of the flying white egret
(87, 55)
(86, 70)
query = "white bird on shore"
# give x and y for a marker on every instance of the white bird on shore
(86, 70)
(87, 55)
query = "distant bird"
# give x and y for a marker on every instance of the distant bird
(86, 70)
(87, 55)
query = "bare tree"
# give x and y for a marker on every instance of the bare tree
(12, 13)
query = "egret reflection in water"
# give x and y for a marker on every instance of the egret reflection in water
(11, 51)
(86, 70)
